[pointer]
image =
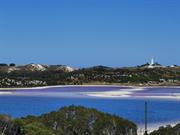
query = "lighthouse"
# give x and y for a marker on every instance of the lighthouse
(151, 65)
(152, 61)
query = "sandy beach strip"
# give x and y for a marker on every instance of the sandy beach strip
(58, 86)
(5, 93)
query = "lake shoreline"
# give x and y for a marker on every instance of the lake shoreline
(93, 85)
(120, 92)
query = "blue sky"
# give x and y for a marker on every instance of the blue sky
(83, 33)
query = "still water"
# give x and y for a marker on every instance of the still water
(20, 103)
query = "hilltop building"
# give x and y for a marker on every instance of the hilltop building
(153, 64)
(173, 66)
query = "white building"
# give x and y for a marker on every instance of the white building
(151, 65)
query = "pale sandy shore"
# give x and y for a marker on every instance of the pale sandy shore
(118, 94)
(5, 93)
(115, 93)
(56, 86)
(128, 93)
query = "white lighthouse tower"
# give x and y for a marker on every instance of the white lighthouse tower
(152, 61)
(151, 65)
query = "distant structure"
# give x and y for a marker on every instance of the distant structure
(154, 64)
(172, 66)
(145, 119)
(151, 65)
(152, 61)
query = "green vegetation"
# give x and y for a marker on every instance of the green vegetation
(168, 130)
(70, 120)
(52, 75)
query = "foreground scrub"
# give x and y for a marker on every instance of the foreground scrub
(70, 120)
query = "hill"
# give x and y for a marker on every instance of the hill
(168, 130)
(40, 75)
(70, 120)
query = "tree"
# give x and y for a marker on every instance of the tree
(12, 65)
